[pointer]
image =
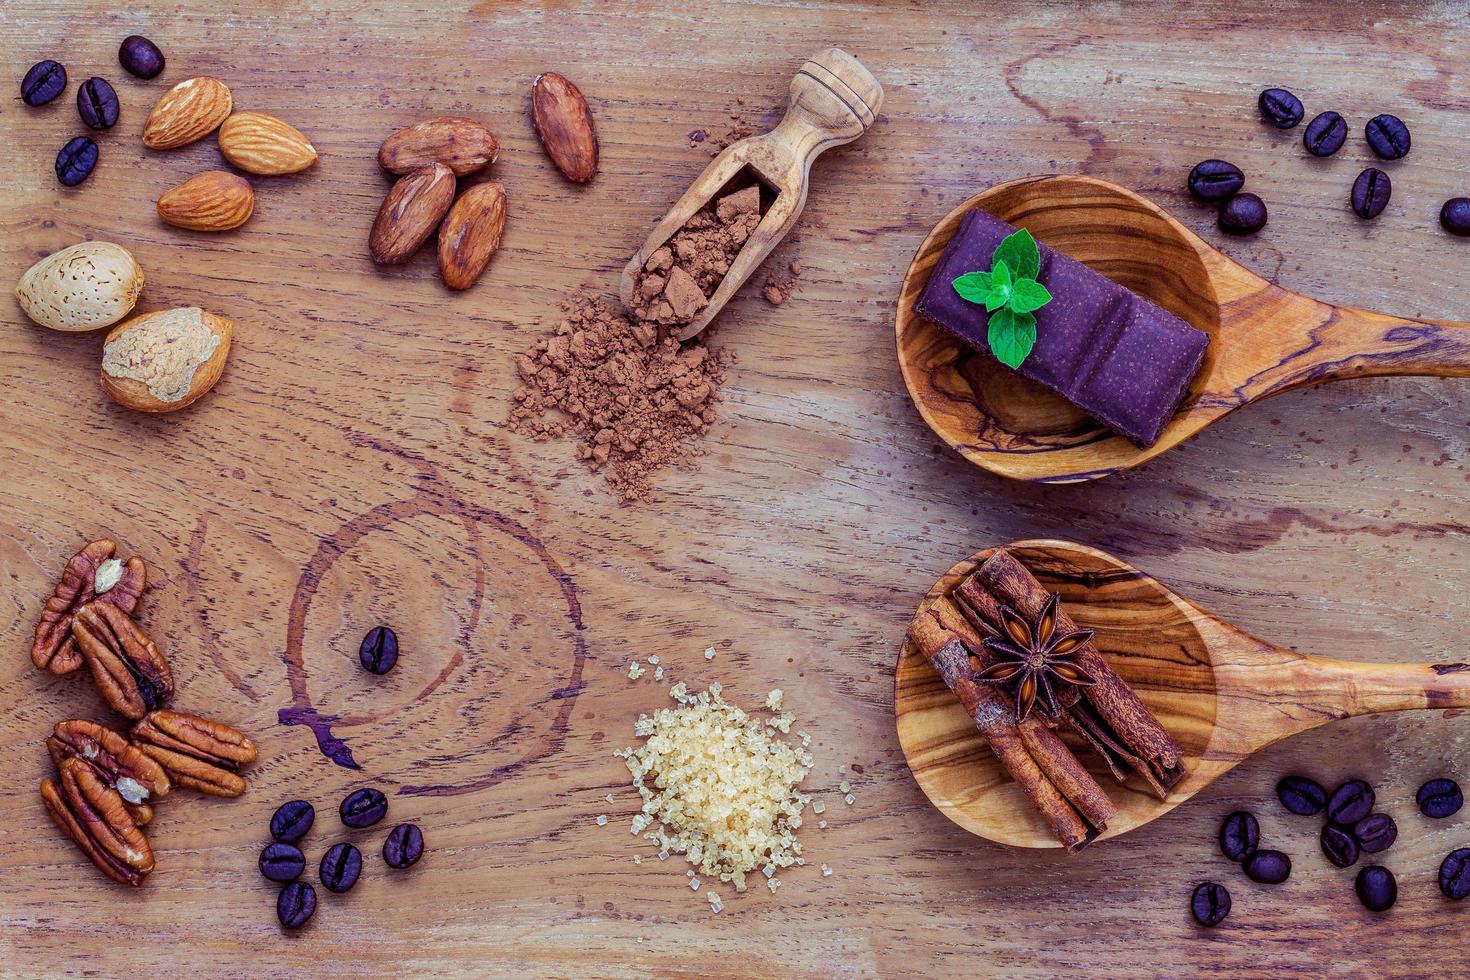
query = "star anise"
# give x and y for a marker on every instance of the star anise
(1034, 658)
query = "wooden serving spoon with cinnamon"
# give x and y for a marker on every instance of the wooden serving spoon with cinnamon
(1222, 693)
(1263, 339)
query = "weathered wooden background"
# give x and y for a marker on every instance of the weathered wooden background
(351, 468)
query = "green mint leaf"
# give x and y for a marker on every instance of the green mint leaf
(1018, 251)
(973, 286)
(1000, 273)
(1028, 295)
(996, 300)
(1011, 336)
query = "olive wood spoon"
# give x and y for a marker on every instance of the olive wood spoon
(1222, 693)
(833, 100)
(1263, 339)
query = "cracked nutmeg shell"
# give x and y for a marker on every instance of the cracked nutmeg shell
(410, 213)
(129, 670)
(98, 821)
(92, 574)
(197, 753)
(563, 124)
(125, 767)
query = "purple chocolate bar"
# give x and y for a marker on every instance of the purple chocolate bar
(1104, 348)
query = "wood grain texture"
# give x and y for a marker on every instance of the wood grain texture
(351, 468)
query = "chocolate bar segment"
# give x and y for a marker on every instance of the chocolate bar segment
(1121, 359)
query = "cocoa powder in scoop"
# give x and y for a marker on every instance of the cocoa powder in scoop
(678, 278)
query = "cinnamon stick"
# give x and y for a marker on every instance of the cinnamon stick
(1107, 714)
(1068, 798)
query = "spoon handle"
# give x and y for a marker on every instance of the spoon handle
(1351, 343)
(1345, 688)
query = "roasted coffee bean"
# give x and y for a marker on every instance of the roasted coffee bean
(1388, 136)
(1339, 846)
(140, 56)
(1370, 193)
(1454, 874)
(1325, 134)
(292, 820)
(1243, 214)
(341, 867)
(1454, 217)
(282, 862)
(1210, 904)
(44, 82)
(1377, 888)
(1215, 180)
(1376, 832)
(76, 161)
(296, 904)
(1268, 867)
(1280, 108)
(1239, 835)
(1440, 798)
(1301, 796)
(405, 845)
(97, 103)
(1350, 802)
(364, 808)
(379, 650)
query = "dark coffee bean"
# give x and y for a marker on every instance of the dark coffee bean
(1325, 134)
(1377, 889)
(1370, 193)
(379, 650)
(1301, 795)
(364, 808)
(282, 862)
(1215, 180)
(1454, 874)
(1350, 802)
(1210, 904)
(296, 904)
(1243, 214)
(76, 161)
(1239, 835)
(1440, 798)
(292, 820)
(140, 56)
(1268, 867)
(404, 846)
(1339, 846)
(341, 867)
(1454, 217)
(1388, 136)
(1280, 108)
(1376, 832)
(44, 82)
(97, 103)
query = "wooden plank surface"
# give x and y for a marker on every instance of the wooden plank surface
(352, 468)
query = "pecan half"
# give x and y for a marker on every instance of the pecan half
(197, 753)
(97, 820)
(125, 767)
(130, 672)
(93, 573)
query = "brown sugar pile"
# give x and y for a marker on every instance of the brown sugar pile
(678, 278)
(635, 397)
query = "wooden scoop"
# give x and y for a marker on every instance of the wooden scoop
(1221, 693)
(833, 100)
(1263, 339)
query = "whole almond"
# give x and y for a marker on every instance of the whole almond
(187, 112)
(470, 235)
(82, 287)
(215, 200)
(564, 126)
(462, 145)
(261, 144)
(165, 360)
(410, 213)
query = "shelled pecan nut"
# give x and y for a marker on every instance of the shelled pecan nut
(91, 574)
(136, 776)
(197, 753)
(130, 672)
(98, 821)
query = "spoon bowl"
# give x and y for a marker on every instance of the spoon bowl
(1221, 692)
(1263, 339)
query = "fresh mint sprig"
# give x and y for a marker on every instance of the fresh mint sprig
(1011, 296)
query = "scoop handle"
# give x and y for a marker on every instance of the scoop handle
(833, 100)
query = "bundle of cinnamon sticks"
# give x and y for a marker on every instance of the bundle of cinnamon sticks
(1106, 714)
